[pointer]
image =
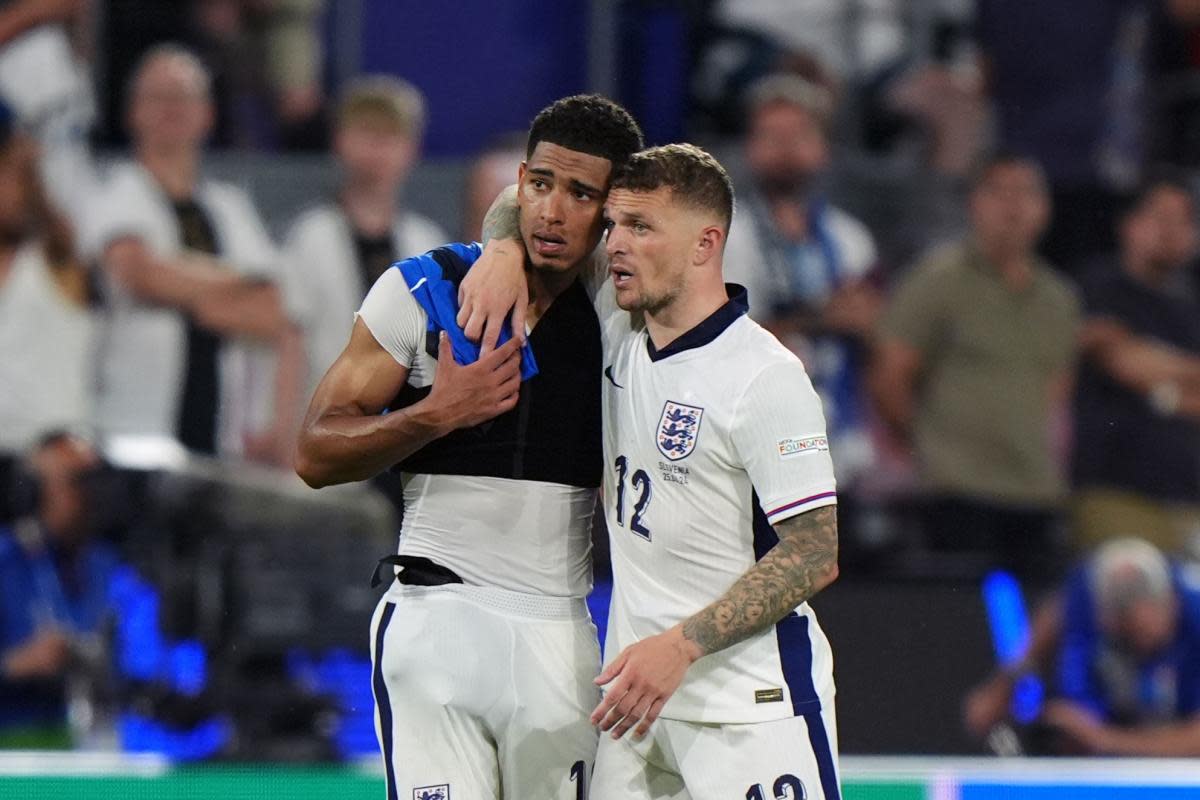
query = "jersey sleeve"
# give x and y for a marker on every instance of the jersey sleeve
(779, 433)
(394, 317)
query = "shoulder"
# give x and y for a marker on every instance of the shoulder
(758, 364)
(228, 197)
(1061, 289)
(419, 233)
(316, 222)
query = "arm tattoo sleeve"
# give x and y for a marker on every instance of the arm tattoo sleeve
(503, 219)
(791, 572)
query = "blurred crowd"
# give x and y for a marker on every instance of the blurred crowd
(1008, 348)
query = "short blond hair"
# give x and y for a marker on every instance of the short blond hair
(386, 98)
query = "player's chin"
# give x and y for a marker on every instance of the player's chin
(556, 263)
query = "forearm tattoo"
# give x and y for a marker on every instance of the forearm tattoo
(503, 219)
(790, 573)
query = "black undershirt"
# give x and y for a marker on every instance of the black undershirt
(375, 255)
(197, 424)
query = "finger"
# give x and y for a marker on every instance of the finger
(634, 716)
(445, 352)
(610, 699)
(507, 404)
(465, 309)
(510, 386)
(619, 712)
(491, 334)
(612, 670)
(519, 315)
(648, 718)
(496, 358)
(474, 327)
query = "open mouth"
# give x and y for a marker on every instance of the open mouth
(547, 244)
(620, 275)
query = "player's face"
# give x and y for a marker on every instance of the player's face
(170, 107)
(561, 197)
(375, 152)
(650, 241)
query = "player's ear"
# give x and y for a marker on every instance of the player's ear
(708, 244)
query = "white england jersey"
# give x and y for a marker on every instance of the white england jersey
(708, 443)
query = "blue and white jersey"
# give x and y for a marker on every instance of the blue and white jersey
(708, 443)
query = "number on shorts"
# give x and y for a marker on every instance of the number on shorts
(579, 776)
(780, 788)
(641, 482)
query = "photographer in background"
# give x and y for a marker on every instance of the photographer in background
(54, 580)
(1122, 642)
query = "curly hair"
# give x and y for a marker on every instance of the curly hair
(587, 123)
(693, 176)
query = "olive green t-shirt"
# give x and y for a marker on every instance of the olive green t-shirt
(990, 355)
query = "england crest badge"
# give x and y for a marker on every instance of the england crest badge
(439, 792)
(678, 429)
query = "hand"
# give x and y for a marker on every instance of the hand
(643, 678)
(1081, 727)
(495, 285)
(465, 396)
(988, 704)
(44, 656)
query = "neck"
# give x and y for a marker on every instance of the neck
(668, 323)
(175, 169)
(1014, 265)
(544, 288)
(371, 207)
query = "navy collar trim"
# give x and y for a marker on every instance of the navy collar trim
(708, 330)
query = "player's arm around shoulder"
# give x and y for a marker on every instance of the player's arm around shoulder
(345, 437)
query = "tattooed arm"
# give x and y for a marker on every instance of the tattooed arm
(802, 564)
(645, 675)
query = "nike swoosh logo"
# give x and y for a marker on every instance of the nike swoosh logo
(609, 374)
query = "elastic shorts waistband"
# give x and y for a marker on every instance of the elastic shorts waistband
(534, 606)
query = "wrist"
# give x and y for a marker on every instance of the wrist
(693, 651)
(428, 417)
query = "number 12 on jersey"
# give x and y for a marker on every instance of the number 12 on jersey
(641, 484)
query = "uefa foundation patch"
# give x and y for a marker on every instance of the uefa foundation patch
(799, 445)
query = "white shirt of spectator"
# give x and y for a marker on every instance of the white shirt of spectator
(46, 350)
(322, 282)
(523, 536)
(689, 439)
(143, 358)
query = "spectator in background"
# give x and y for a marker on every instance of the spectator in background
(492, 172)
(1122, 642)
(335, 252)
(1068, 83)
(48, 86)
(1137, 404)
(186, 260)
(53, 592)
(806, 264)
(47, 331)
(974, 357)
